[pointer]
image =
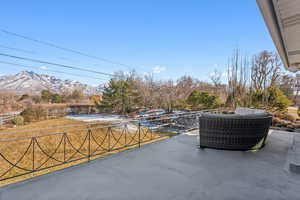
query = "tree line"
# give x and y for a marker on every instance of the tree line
(259, 82)
(129, 92)
(256, 82)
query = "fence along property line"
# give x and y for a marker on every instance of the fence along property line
(4, 118)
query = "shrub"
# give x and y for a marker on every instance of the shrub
(277, 99)
(257, 97)
(24, 96)
(39, 113)
(200, 100)
(56, 98)
(272, 97)
(28, 115)
(46, 95)
(18, 121)
(33, 114)
(182, 105)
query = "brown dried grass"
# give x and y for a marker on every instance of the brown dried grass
(18, 146)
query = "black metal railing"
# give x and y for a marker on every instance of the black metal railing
(21, 156)
(28, 154)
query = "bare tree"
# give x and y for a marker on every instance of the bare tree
(184, 87)
(8, 101)
(216, 78)
(238, 80)
(296, 88)
(265, 70)
(287, 84)
(147, 89)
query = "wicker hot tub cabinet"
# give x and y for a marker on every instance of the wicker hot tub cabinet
(234, 131)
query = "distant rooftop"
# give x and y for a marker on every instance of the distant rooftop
(172, 169)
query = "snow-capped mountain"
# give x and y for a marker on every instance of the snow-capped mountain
(31, 82)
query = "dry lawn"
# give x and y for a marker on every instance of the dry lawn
(67, 140)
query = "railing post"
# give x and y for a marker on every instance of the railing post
(109, 130)
(139, 134)
(33, 156)
(65, 135)
(125, 129)
(89, 145)
(199, 126)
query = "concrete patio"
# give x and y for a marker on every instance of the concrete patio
(172, 169)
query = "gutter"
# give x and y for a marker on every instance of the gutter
(268, 11)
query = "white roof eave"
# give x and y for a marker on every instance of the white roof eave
(271, 19)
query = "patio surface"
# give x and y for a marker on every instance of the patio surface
(171, 169)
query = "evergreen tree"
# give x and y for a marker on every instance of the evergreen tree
(200, 100)
(121, 95)
(46, 96)
(56, 98)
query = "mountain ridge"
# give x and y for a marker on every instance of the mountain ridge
(33, 83)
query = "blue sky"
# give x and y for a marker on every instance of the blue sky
(170, 37)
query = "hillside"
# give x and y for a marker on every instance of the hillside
(33, 83)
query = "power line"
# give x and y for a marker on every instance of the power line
(57, 64)
(32, 52)
(16, 49)
(55, 71)
(63, 48)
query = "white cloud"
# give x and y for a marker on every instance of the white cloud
(224, 74)
(126, 73)
(158, 69)
(43, 67)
